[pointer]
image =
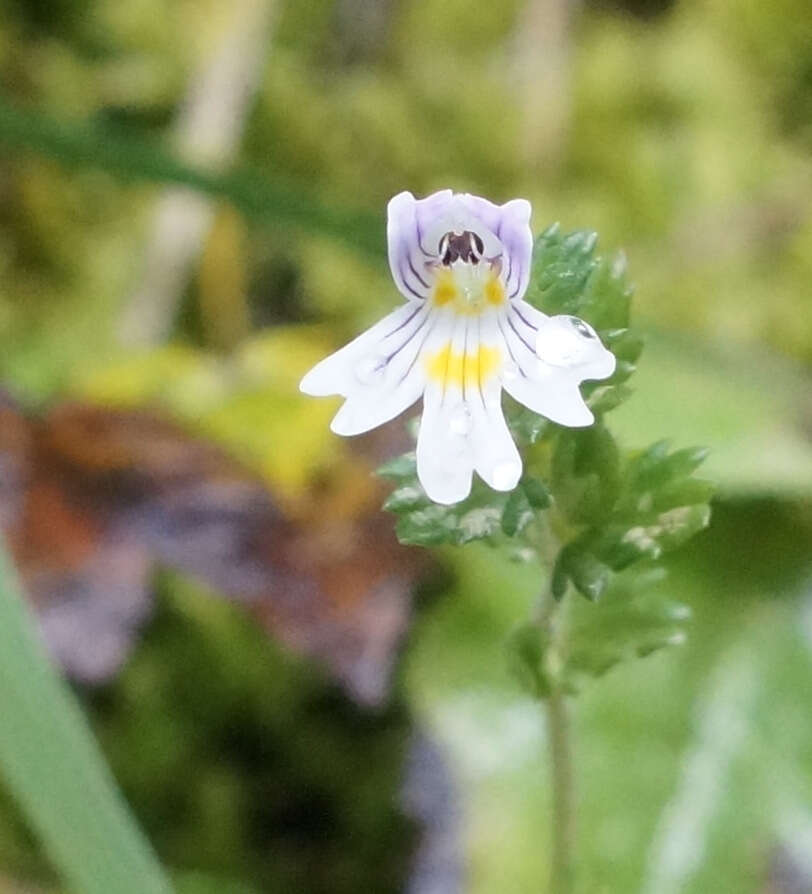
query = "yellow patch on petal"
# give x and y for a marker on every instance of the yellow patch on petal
(449, 367)
(469, 292)
(445, 289)
(494, 292)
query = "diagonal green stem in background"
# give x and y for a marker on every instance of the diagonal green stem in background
(257, 195)
(51, 764)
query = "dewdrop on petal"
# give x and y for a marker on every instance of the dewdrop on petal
(463, 336)
(569, 341)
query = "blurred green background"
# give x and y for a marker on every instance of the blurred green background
(681, 132)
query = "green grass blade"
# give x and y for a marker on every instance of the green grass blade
(125, 155)
(51, 764)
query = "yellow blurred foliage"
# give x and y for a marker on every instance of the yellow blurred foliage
(249, 402)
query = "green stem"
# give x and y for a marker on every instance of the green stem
(563, 812)
(560, 747)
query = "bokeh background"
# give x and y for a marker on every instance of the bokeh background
(192, 200)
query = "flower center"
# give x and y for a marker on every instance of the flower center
(463, 277)
(466, 246)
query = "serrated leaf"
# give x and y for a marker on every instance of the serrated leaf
(607, 397)
(630, 623)
(685, 492)
(481, 515)
(476, 518)
(618, 548)
(625, 344)
(404, 498)
(427, 527)
(672, 528)
(401, 468)
(477, 523)
(655, 466)
(517, 512)
(568, 278)
(651, 536)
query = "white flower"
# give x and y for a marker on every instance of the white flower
(463, 335)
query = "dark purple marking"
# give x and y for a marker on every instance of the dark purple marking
(417, 275)
(522, 318)
(411, 336)
(510, 349)
(419, 309)
(520, 336)
(407, 285)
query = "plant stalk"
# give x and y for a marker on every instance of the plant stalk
(559, 736)
(563, 794)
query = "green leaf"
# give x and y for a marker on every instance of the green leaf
(430, 526)
(632, 511)
(526, 646)
(562, 265)
(569, 278)
(560, 580)
(51, 764)
(527, 427)
(401, 469)
(655, 466)
(477, 518)
(484, 514)
(517, 512)
(672, 528)
(586, 473)
(630, 622)
(685, 492)
(404, 498)
(604, 398)
(258, 195)
(589, 575)
(538, 496)
(625, 344)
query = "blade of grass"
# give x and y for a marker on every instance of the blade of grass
(51, 764)
(125, 155)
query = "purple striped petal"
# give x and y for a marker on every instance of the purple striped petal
(510, 223)
(408, 220)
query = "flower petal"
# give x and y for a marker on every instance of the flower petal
(463, 428)
(396, 386)
(444, 460)
(496, 458)
(457, 216)
(407, 219)
(510, 223)
(551, 391)
(343, 372)
(445, 463)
